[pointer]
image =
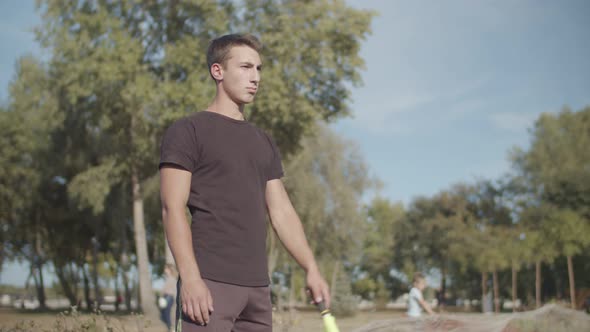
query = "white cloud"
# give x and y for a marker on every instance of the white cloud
(444, 62)
(517, 122)
(403, 111)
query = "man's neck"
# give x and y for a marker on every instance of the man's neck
(225, 106)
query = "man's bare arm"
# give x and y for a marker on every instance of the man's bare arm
(174, 192)
(288, 228)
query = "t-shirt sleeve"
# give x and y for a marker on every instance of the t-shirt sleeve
(275, 168)
(416, 293)
(179, 146)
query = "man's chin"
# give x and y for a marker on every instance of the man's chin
(246, 101)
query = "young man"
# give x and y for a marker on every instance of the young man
(416, 301)
(228, 172)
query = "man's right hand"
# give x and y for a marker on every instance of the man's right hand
(197, 303)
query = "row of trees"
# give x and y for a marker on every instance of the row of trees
(537, 215)
(81, 131)
(79, 185)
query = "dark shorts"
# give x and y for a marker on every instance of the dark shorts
(237, 309)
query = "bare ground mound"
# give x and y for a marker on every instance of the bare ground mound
(550, 318)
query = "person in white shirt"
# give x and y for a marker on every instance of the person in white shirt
(416, 302)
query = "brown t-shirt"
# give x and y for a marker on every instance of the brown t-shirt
(230, 161)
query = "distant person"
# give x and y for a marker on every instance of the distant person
(168, 295)
(440, 299)
(228, 172)
(416, 301)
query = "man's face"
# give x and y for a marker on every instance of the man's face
(241, 74)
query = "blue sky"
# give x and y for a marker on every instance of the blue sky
(449, 86)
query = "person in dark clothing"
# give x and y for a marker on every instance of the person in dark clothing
(228, 172)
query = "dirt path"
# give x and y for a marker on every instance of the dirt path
(296, 322)
(549, 318)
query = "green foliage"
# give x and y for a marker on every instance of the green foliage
(92, 186)
(383, 219)
(436, 232)
(83, 129)
(365, 287)
(538, 214)
(555, 161)
(344, 303)
(492, 223)
(326, 181)
(311, 50)
(25, 133)
(554, 166)
(554, 170)
(553, 231)
(384, 222)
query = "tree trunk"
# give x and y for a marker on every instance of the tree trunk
(496, 292)
(279, 297)
(292, 292)
(1, 256)
(39, 286)
(146, 293)
(126, 289)
(124, 264)
(484, 290)
(117, 290)
(514, 285)
(97, 293)
(38, 263)
(538, 284)
(86, 289)
(65, 284)
(558, 285)
(443, 285)
(334, 278)
(570, 272)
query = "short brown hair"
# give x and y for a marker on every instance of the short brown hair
(417, 277)
(219, 48)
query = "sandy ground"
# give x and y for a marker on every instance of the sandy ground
(548, 318)
(285, 322)
(312, 321)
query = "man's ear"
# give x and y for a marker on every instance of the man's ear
(217, 71)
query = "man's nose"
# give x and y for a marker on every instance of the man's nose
(255, 77)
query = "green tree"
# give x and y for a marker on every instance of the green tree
(555, 168)
(516, 197)
(310, 59)
(493, 222)
(384, 221)
(435, 233)
(31, 116)
(539, 241)
(326, 181)
(120, 72)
